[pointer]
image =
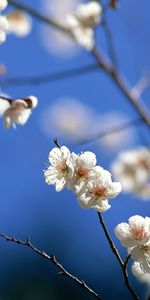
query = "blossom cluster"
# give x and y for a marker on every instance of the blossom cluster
(15, 22)
(135, 235)
(91, 184)
(16, 111)
(133, 170)
(82, 23)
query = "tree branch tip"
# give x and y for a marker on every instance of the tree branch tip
(55, 140)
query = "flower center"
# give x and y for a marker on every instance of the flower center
(144, 163)
(63, 167)
(100, 191)
(82, 172)
(139, 233)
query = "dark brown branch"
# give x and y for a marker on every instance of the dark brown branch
(53, 260)
(122, 264)
(34, 80)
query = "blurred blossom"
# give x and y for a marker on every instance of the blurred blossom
(20, 23)
(82, 22)
(3, 4)
(132, 168)
(67, 117)
(3, 28)
(56, 42)
(116, 140)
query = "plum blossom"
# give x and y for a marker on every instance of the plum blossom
(138, 272)
(19, 23)
(132, 168)
(83, 164)
(3, 28)
(135, 235)
(3, 4)
(17, 111)
(141, 254)
(61, 169)
(135, 232)
(91, 184)
(98, 190)
(82, 22)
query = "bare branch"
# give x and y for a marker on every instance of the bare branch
(53, 260)
(100, 58)
(109, 131)
(109, 38)
(117, 255)
(38, 16)
(122, 85)
(46, 78)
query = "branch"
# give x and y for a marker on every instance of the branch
(53, 260)
(101, 60)
(38, 16)
(34, 80)
(112, 130)
(122, 85)
(122, 264)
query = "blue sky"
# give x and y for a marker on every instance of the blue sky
(29, 207)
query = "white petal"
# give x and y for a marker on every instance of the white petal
(60, 184)
(122, 232)
(102, 206)
(88, 158)
(137, 253)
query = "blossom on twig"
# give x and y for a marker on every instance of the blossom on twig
(90, 183)
(139, 274)
(82, 22)
(20, 23)
(132, 168)
(135, 235)
(16, 111)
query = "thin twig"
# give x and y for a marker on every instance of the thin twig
(100, 58)
(38, 16)
(46, 78)
(122, 264)
(110, 44)
(53, 260)
(112, 130)
(122, 85)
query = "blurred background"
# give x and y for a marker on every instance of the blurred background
(71, 109)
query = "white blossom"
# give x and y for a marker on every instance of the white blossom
(82, 22)
(3, 4)
(141, 254)
(83, 165)
(89, 14)
(132, 168)
(20, 23)
(17, 111)
(3, 28)
(135, 232)
(78, 172)
(84, 36)
(98, 190)
(135, 235)
(61, 169)
(139, 273)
